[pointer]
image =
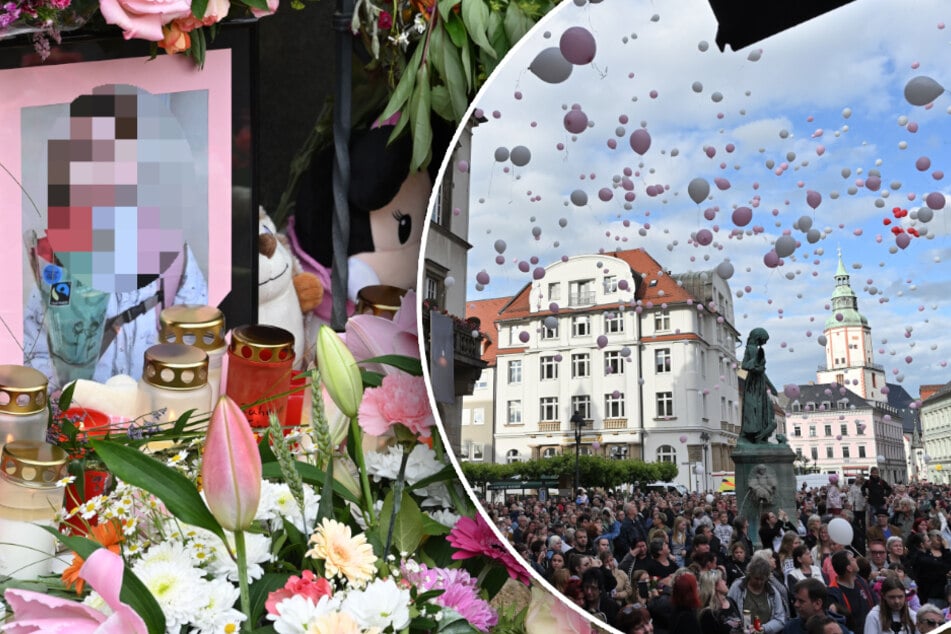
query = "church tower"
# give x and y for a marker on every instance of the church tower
(849, 358)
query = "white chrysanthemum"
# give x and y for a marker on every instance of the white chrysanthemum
(422, 463)
(278, 504)
(258, 549)
(218, 614)
(381, 605)
(444, 517)
(294, 614)
(176, 588)
(172, 552)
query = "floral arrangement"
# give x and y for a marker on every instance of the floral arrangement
(356, 524)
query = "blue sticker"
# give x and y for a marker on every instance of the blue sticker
(52, 274)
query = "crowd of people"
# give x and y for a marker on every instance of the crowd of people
(647, 562)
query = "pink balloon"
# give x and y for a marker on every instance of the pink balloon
(683, 439)
(576, 121)
(640, 141)
(813, 198)
(523, 337)
(771, 260)
(704, 237)
(935, 200)
(742, 216)
(903, 240)
(605, 194)
(578, 45)
(602, 341)
(482, 277)
(873, 183)
(923, 163)
(710, 151)
(721, 183)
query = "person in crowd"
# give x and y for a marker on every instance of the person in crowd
(877, 556)
(788, 543)
(705, 529)
(834, 496)
(855, 500)
(596, 601)
(582, 545)
(660, 565)
(685, 604)
(771, 529)
(932, 568)
(892, 613)
(574, 592)
(741, 527)
(643, 592)
(678, 541)
(813, 526)
(559, 578)
(756, 594)
(928, 618)
(810, 598)
(718, 612)
(538, 554)
(557, 562)
(896, 551)
(823, 624)
(578, 564)
(723, 530)
(903, 519)
(634, 620)
(735, 564)
(623, 591)
(875, 490)
(636, 558)
(851, 595)
(776, 579)
(803, 568)
(879, 530)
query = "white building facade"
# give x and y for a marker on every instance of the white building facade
(637, 352)
(936, 434)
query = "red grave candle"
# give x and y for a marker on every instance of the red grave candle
(260, 366)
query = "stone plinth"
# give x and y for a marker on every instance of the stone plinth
(778, 460)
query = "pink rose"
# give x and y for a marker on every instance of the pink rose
(401, 398)
(143, 19)
(271, 8)
(307, 585)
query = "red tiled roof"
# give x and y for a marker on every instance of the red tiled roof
(487, 311)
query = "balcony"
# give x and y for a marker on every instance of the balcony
(615, 423)
(549, 425)
(581, 298)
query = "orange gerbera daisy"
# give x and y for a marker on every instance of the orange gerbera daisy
(109, 534)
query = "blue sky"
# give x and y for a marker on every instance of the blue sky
(824, 100)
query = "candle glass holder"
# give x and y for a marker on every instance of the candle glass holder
(260, 365)
(24, 411)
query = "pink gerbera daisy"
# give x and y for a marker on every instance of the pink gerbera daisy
(461, 594)
(473, 537)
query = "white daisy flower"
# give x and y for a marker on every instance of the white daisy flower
(295, 613)
(176, 588)
(65, 481)
(381, 604)
(444, 517)
(258, 552)
(218, 614)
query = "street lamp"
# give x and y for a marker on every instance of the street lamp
(705, 439)
(578, 422)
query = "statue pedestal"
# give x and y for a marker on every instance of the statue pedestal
(778, 461)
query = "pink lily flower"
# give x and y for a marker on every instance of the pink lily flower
(368, 336)
(231, 467)
(37, 613)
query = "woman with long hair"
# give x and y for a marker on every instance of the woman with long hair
(559, 579)
(623, 592)
(678, 540)
(634, 620)
(789, 541)
(823, 547)
(891, 615)
(685, 604)
(719, 613)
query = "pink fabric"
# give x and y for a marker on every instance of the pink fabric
(309, 265)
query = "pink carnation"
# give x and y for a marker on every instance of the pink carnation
(401, 398)
(307, 585)
(461, 594)
(473, 537)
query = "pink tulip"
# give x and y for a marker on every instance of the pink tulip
(368, 336)
(36, 613)
(231, 467)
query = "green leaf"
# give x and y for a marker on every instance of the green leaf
(66, 398)
(432, 527)
(459, 626)
(420, 123)
(446, 7)
(256, 4)
(441, 104)
(265, 451)
(499, 41)
(371, 378)
(494, 580)
(401, 124)
(259, 590)
(475, 14)
(448, 63)
(180, 423)
(400, 362)
(198, 8)
(455, 28)
(178, 493)
(423, 597)
(466, 58)
(311, 475)
(408, 525)
(517, 24)
(405, 86)
(134, 593)
(445, 474)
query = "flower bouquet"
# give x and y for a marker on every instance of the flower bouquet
(355, 524)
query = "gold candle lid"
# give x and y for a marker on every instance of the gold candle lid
(175, 366)
(263, 344)
(193, 324)
(34, 464)
(380, 299)
(23, 390)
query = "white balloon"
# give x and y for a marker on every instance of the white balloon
(840, 531)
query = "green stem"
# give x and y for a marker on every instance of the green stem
(357, 433)
(397, 498)
(242, 553)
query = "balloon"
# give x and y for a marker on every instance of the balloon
(813, 236)
(742, 216)
(903, 240)
(922, 90)
(709, 498)
(771, 260)
(785, 246)
(605, 194)
(579, 198)
(813, 199)
(595, 445)
(551, 66)
(523, 337)
(602, 341)
(551, 322)
(576, 121)
(791, 391)
(577, 45)
(840, 531)
(500, 246)
(804, 223)
(501, 154)
(725, 269)
(640, 141)
(482, 277)
(698, 190)
(683, 439)
(520, 155)
(704, 237)
(925, 214)
(935, 200)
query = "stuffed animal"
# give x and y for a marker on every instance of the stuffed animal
(284, 292)
(388, 205)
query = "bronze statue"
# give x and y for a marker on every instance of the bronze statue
(759, 421)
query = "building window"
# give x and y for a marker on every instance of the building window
(796, 406)
(666, 453)
(846, 452)
(515, 371)
(860, 429)
(466, 416)
(554, 291)
(441, 215)
(613, 362)
(662, 321)
(815, 453)
(549, 333)
(614, 405)
(662, 360)
(549, 452)
(844, 429)
(582, 405)
(548, 368)
(481, 384)
(512, 456)
(477, 454)
(610, 284)
(828, 430)
(613, 322)
(797, 431)
(830, 451)
(548, 408)
(665, 404)
(861, 451)
(581, 292)
(580, 326)
(433, 290)
(580, 365)
(478, 416)
(515, 412)
(812, 431)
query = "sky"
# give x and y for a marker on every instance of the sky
(820, 108)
